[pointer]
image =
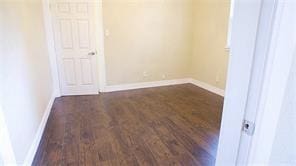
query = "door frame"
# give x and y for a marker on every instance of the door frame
(99, 42)
(48, 26)
(246, 15)
(6, 149)
(279, 65)
(249, 17)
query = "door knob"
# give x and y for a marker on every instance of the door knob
(92, 53)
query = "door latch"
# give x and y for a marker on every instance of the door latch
(92, 53)
(248, 127)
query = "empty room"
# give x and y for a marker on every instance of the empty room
(145, 82)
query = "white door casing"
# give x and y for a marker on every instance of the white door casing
(75, 45)
(236, 147)
(7, 156)
(263, 40)
(246, 14)
(281, 54)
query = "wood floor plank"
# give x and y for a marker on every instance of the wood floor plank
(173, 125)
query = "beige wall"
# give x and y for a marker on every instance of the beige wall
(166, 39)
(26, 84)
(152, 36)
(209, 58)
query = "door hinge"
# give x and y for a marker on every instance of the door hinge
(248, 127)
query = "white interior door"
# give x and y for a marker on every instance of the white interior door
(245, 24)
(252, 23)
(74, 30)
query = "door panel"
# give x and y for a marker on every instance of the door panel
(75, 46)
(86, 69)
(69, 67)
(66, 35)
(83, 34)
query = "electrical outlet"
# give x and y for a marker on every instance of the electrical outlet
(145, 74)
(164, 76)
(217, 78)
(107, 32)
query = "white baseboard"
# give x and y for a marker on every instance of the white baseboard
(208, 87)
(142, 85)
(33, 149)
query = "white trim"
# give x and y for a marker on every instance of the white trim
(208, 87)
(260, 61)
(142, 85)
(100, 46)
(279, 65)
(6, 150)
(48, 26)
(229, 32)
(123, 87)
(242, 48)
(33, 149)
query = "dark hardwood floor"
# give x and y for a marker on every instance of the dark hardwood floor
(173, 125)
